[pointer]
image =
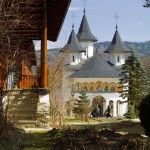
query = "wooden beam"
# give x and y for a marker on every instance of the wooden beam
(44, 48)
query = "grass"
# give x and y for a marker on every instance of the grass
(116, 124)
(6, 144)
(37, 141)
(135, 129)
(40, 140)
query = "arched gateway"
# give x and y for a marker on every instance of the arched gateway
(101, 103)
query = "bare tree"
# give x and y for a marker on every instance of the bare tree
(14, 48)
(59, 86)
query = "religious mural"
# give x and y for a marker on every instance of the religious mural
(98, 87)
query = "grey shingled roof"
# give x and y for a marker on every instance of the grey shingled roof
(84, 32)
(73, 45)
(96, 67)
(117, 45)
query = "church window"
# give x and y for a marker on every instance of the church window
(118, 59)
(73, 58)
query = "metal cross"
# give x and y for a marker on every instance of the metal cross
(84, 4)
(116, 17)
(73, 18)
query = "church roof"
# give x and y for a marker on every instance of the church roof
(73, 45)
(84, 32)
(96, 67)
(117, 44)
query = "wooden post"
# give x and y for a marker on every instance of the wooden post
(44, 48)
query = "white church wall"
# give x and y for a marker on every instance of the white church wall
(122, 108)
(74, 58)
(117, 59)
(118, 109)
(88, 45)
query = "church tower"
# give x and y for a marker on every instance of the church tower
(86, 38)
(117, 50)
(73, 49)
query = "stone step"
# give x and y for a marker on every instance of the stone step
(27, 123)
(25, 116)
(26, 110)
(25, 101)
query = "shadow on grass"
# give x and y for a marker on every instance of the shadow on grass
(37, 141)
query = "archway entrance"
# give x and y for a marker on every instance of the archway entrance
(101, 103)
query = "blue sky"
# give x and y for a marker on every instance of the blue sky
(133, 22)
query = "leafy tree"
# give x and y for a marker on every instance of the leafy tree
(144, 113)
(82, 106)
(134, 80)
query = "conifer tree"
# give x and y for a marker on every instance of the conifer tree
(147, 3)
(82, 106)
(134, 80)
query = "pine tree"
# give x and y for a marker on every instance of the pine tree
(129, 114)
(134, 80)
(82, 108)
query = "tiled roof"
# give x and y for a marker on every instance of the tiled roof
(84, 32)
(73, 45)
(96, 67)
(117, 45)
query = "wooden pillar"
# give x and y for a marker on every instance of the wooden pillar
(44, 48)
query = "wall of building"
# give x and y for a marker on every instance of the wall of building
(88, 45)
(104, 87)
(117, 59)
(74, 58)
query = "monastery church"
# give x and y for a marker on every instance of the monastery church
(89, 70)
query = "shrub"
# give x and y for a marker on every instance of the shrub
(144, 114)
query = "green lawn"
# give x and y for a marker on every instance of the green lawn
(6, 144)
(40, 140)
(37, 141)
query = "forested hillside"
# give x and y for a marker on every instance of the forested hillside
(142, 47)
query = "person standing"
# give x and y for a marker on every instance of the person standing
(108, 112)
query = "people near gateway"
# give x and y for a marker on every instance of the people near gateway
(108, 114)
(95, 112)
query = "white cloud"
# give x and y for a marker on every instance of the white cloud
(74, 8)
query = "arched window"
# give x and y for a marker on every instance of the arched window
(73, 59)
(118, 59)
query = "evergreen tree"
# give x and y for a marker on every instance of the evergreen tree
(82, 108)
(129, 114)
(134, 80)
(147, 3)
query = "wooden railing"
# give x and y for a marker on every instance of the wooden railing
(29, 81)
